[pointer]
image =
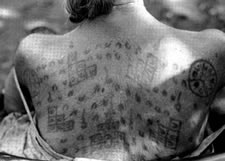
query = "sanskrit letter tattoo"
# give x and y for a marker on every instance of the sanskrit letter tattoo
(202, 78)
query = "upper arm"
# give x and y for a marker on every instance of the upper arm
(12, 99)
(217, 39)
(24, 53)
(218, 105)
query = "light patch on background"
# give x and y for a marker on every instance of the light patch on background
(7, 13)
(29, 25)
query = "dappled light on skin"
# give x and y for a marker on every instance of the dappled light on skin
(195, 119)
(7, 13)
(176, 57)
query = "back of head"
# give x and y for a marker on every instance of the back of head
(80, 10)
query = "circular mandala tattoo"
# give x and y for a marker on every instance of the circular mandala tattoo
(202, 78)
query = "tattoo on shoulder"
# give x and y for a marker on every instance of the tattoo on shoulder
(202, 79)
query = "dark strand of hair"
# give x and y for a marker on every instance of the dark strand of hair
(80, 10)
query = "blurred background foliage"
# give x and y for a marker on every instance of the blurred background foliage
(19, 17)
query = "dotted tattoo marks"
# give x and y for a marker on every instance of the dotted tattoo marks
(57, 122)
(169, 135)
(202, 78)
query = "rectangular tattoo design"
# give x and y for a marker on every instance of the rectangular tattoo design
(58, 123)
(169, 135)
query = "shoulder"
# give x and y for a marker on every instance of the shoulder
(215, 36)
(33, 49)
(215, 39)
(208, 42)
(214, 32)
(34, 42)
(37, 45)
(208, 35)
(26, 49)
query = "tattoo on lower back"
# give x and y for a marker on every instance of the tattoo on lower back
(80, 138)
(57, 122)
(202, 78)
(168, 135)
(110, 139)
(108, 135)
(108, 126)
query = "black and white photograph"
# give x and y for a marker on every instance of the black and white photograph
(112, 80)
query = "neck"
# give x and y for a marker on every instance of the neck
(136, 8)
(123, 2)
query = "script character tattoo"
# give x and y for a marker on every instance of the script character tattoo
(169, 135)
(57, 122)
(177, 106)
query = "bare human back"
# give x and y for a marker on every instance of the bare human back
(113, 91)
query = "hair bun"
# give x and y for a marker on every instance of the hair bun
(80, 10)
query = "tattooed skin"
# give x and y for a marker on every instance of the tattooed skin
(32, 78)
(112, 101)
(202, 78)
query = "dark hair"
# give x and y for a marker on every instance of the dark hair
(80, 10)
